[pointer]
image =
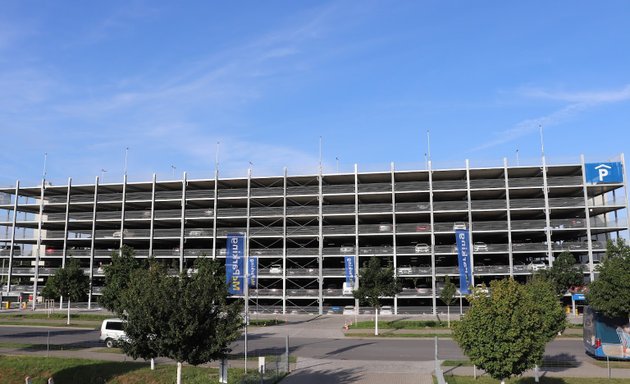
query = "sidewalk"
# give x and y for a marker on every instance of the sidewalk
(584, 369)
(317, 371)
(569, 333)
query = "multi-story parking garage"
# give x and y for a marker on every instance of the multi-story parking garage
(301, 227)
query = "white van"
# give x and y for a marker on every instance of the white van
(347, 289)
(112, 331)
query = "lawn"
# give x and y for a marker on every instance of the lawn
(530, 380)
(54, 316)
(402, 324)
(13, 370)
(404, 335)
(83, 320)
(617, 364)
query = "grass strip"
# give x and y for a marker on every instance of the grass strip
(402, 324)
(392, 334)
(545, 363)
(265, 322)
(51, 324)
(613, 364)
(55, 316)
(13, 370)
(530, 380)
(41, 347)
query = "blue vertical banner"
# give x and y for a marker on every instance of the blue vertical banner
(252, 269)
(234, 272)
(463, 257)
(350, 270)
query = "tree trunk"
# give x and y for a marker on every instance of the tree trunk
(68, 322)
(179, 373)
(448, 315)
(375, 321)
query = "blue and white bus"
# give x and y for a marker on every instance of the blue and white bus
(606, 336)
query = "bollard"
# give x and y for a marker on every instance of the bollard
(223, 372)
(286, 350)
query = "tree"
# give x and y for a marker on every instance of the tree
(70, 282)
(184, 318)
(117, 277)
(448, 297)
(505, 332)
(376, 282)
(564, 273)
(610, 292)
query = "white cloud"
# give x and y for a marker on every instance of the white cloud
(594, 97)
(579, 102)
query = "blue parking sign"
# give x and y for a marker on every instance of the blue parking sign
(600, 173)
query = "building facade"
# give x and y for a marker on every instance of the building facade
(302, 228)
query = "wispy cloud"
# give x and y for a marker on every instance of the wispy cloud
(177, 115)
(221, 78)
(578, 103)
(593, 97)
(122, 20)
(12, 34)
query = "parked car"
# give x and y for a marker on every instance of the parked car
(275, 269)
(459, 225)
(366, 250)
(537, 266)
(422, 206)
(481, 288)
(348, 310)
(195, 232)
(6, 249)
(480, 246)
(346, 248)
(405, 270)
(422, 248)
(112, 332)
(386, 310)
(423, 290)
(423, 227)
(125, 232)
(385, 227)
(335, 310)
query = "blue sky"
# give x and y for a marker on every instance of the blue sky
(81, 81)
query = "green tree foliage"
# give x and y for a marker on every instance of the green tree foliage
(505, 332)
(564, 273)
(448, 297)
(184, 318)
(610, 292)
(69, 282)
(117, 277)
(376, 282)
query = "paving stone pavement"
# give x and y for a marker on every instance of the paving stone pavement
(317, 371)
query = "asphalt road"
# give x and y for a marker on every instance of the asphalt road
(320, 348)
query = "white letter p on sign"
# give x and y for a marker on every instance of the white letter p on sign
(603, 172)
